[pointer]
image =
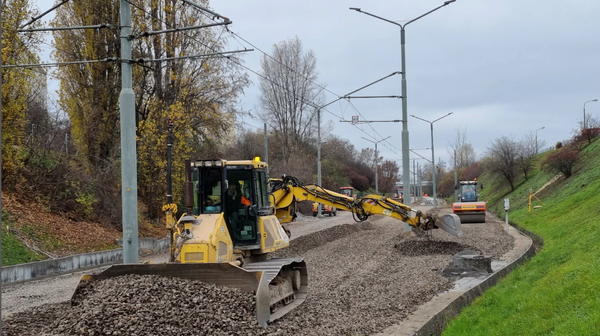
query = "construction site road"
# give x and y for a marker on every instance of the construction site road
(363, 277)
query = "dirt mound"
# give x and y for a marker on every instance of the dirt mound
(421, 247)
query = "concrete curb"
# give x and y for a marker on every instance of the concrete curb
(28, 271)
(431, 318)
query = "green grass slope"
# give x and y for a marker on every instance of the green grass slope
(557, 292)
(13, 250)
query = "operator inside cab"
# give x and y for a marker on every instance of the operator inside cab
(242, 222)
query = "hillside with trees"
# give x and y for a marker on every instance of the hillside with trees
(61, 157)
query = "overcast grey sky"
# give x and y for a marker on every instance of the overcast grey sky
(504, 68)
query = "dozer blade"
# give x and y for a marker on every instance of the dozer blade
(286, 283)
(450, 223)
(256, 280)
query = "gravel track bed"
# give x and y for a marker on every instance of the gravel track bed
(363, 277)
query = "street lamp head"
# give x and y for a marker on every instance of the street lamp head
(356, 9)
(448, 2)
(595, 100)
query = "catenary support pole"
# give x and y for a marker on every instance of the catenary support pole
(405, 144)
(266, 148)
(319, 156)
(129, 187)
(434, 171)
(455, 179)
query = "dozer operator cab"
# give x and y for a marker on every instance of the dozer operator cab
(240, 192)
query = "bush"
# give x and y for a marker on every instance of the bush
(561, 161)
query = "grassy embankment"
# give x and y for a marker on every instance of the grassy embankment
(557, 292)
(13, 250)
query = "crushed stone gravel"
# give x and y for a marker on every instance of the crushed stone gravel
(363, 277)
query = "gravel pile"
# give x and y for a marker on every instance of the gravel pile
(363, 278)
(143, 305)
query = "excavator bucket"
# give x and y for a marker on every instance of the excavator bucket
(258, 278)
(450, 223)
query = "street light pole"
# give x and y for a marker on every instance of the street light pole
(405, 144)
(536, 141)
(433, 154)
(376, 163)
(319, 157)
(593, 100)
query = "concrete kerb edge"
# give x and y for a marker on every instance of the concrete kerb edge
(69, 264)
(437, 322)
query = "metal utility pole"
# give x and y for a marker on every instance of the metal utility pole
(405, 144)
(319, 213)
(129, 187)
(420, 180)
(536, 140)
(376, 163)
(266, 148)
(455, 179)
(416, 189)
(589, 101)
(433, 155)
(347, 96)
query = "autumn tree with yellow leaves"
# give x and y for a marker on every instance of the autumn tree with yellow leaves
(17, 48)
(197, 94)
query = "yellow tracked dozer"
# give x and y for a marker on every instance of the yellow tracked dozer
(225, 238)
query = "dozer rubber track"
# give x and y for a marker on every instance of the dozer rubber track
(256, 278)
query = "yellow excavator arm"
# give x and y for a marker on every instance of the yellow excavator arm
(288, 190)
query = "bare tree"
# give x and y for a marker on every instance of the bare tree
(561, 161)
(289, 96)
(590, 130)
(388, 175)
(367, 156)
(503, 155)
(465, 154)
(527, 150)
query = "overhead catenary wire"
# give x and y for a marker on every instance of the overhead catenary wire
(34, 19)
(339, 97)
(216, 54)
(276, 60)
(253, 71)
(386, 143)
(247, 68)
